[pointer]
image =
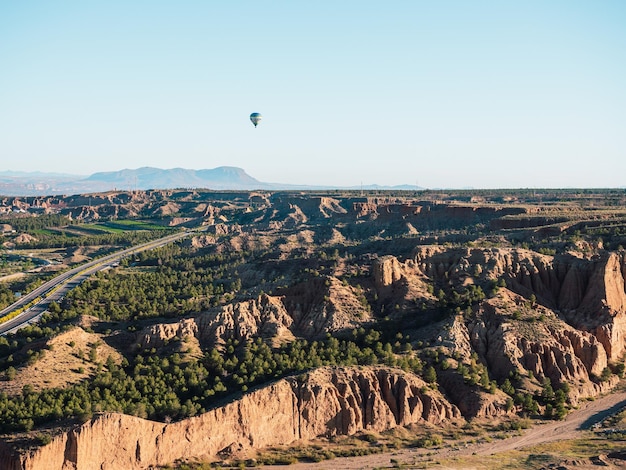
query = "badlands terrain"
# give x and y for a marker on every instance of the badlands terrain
(301, 326)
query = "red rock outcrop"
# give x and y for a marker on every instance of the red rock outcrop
(324, 304)
(547, 346)
(590, 294)
(265, 317)
(472, 401)
(330, 401)
(309, 310)
(400, 281)
(386, 271)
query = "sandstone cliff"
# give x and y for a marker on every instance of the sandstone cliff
(537, 341)
(265, 317)
(560, 318)
(326, 402)
(590, 294)
(307, 310)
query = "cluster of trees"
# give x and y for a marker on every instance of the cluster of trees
(174, 281)
(476, 373)
(7, 297)
(23, 347)
(554, 402)
(170, 388)
(28, 224)
(613, 237)
(65, 240)
(461, 299)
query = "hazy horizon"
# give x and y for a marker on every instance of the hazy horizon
(32, 176)
(449, 94)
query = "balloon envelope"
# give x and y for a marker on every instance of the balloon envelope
(256, 118)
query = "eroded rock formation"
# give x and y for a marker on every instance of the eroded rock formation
(327, 402)
(539, 343)
(590, 294)
(308, 310)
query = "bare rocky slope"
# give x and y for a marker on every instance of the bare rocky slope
(570, 330)
(488, 290)
(325, 402)
(345, 401)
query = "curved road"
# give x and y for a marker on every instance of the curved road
(56, 288)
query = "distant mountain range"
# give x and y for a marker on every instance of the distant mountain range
(221, 178)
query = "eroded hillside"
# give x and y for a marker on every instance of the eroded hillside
(293, 316)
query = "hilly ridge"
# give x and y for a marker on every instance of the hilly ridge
(315, 315)
(223, 177)
(37, 183)
(145, 178)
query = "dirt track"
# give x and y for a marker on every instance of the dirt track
(572, 427)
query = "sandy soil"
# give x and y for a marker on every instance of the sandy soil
(12, 277)
(576, 425)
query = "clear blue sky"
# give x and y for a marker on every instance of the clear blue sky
(441, 93)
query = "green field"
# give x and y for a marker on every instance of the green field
(131, 225)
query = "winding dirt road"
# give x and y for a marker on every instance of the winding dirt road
(574, 426)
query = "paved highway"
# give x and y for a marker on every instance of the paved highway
(36, 302)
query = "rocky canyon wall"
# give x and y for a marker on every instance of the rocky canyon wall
(588, 293)
(325, 402)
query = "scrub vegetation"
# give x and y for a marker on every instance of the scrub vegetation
(321, 255)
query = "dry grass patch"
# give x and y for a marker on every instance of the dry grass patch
(65, 359)
(583, 454)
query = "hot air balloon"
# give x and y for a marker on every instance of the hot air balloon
(256, 118)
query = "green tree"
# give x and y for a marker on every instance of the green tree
(430, 375)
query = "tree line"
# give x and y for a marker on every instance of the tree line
(169, 387)
(167, 282)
